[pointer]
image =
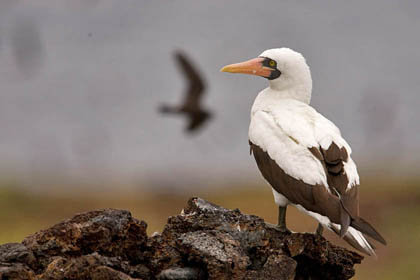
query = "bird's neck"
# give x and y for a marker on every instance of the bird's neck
(301, 93)
(297, 86)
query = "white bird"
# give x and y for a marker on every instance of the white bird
(301, 153)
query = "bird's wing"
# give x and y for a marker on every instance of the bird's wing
(195, 121)
(299, 134)
(286, 135)
(196, 84)
(343, 179)
(324, 140)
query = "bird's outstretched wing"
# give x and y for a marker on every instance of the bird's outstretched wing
(196, 85)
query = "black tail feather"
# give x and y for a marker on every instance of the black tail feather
(364, 227)
(350, 239)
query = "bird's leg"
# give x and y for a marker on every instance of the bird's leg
(282, 220)
(319, 229)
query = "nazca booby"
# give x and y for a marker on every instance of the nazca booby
(301, 153)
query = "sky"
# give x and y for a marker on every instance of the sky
(81, 81)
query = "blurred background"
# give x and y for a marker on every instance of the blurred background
(81, 81)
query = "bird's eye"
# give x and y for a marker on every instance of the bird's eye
(272, 63)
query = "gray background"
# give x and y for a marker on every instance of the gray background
(80, 82)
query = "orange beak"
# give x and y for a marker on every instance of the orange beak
(251, 67)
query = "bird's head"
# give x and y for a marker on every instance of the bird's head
(284, 68)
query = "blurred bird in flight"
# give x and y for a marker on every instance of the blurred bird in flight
(191, 106)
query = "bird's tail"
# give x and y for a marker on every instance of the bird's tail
(368, 229)
(167, 109)
(356, 239)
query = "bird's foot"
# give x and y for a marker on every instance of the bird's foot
(283, 229)
(319, 230)
(279, 228)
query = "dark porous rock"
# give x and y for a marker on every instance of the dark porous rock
(205, 241)
(17, 253)
(184, 273)
(83, 267)
(93, 266)
(109, 232)
(16, 271)
(330, 260)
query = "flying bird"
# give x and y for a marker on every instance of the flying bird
(301, 153)
(191, 106)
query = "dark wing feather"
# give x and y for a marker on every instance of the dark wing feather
(333, 160)
(196, 120)
(196, 85)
